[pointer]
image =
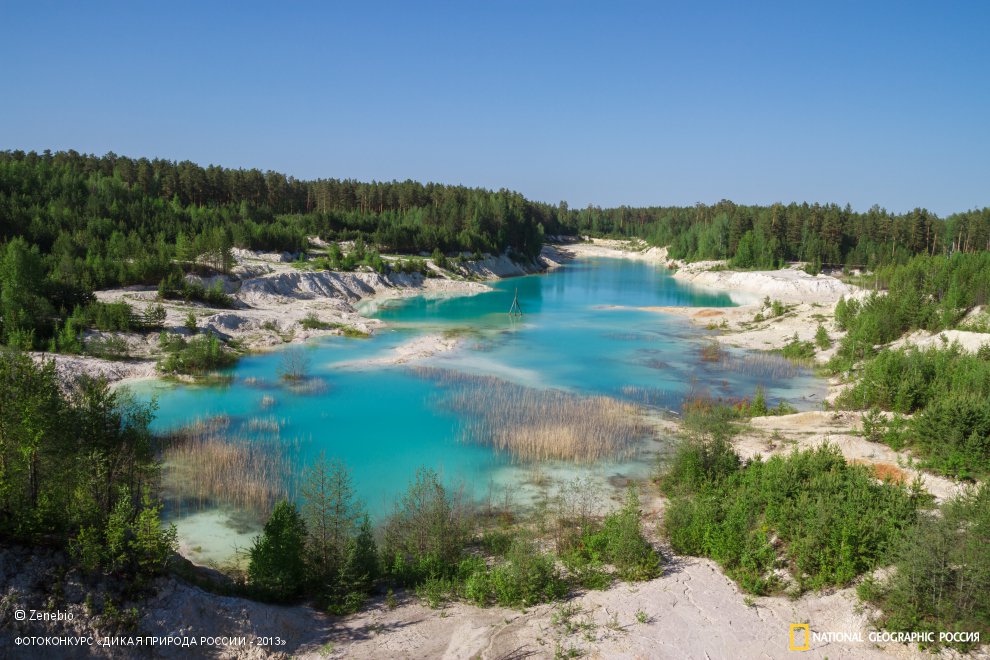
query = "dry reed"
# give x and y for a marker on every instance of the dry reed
(207, 465)
(533, 424)
(651, 396)
(712, 351)
(761, 365)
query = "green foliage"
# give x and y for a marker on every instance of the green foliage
(947, 391)
(707, 417)
(360, 568)
(798, 350)
(427, 531)
(190, 323)
(698, 463)
(831, 520)
(941, 572)
(133, 543)
(175, 286)
(526, 577)
(822, 340)
(341, 554)
(76, 471)
(313, 322)
(873, 423)
(107, 348)
(277, 568)
(928, 293)
(440, 259)
(620, 542)
(196, 356)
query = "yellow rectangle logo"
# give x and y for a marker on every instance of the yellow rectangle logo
(795, 627)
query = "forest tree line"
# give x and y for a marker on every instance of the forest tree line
(767, 236)
(71, 224)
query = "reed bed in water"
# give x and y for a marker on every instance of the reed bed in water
(535, 424)
(761, 365)
(269, 424)
(651, 396)
(206, 464)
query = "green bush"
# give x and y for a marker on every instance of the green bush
(946, 390)
(620, 542)
(941, 573)
(832, 520)
(108, 348)
(798, 350)
(175, 286)
(197, 356)
(822, 340)
(313, 322)
(526, 577)
(697, 463)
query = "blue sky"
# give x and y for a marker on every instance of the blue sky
(606, 103)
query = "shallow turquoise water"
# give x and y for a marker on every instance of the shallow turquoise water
(580, 332)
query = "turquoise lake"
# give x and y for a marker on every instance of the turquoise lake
(580, 332)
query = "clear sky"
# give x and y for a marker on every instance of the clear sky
(606, 103)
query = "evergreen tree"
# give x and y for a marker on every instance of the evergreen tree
(331, 513)
(360, 568)
(277, 569)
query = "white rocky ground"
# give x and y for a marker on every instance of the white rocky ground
(691, 611)
(272, 298)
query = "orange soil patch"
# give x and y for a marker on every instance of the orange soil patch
(705, 313)
(885, 471)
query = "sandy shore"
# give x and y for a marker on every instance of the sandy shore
(418, 348)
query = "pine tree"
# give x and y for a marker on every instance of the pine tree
(360, 568)
(331, 513)
(277, 568)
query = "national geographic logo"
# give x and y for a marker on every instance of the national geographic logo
(800, 637)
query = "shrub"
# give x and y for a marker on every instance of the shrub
(947, 391)
(108, 348)
(313, 322)
(822, 340)
(621, 543)
(798, 350)
(830, 520)
(526, 577)
(697, 463)
(194, 356)
(176, 287)
(941, 572)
